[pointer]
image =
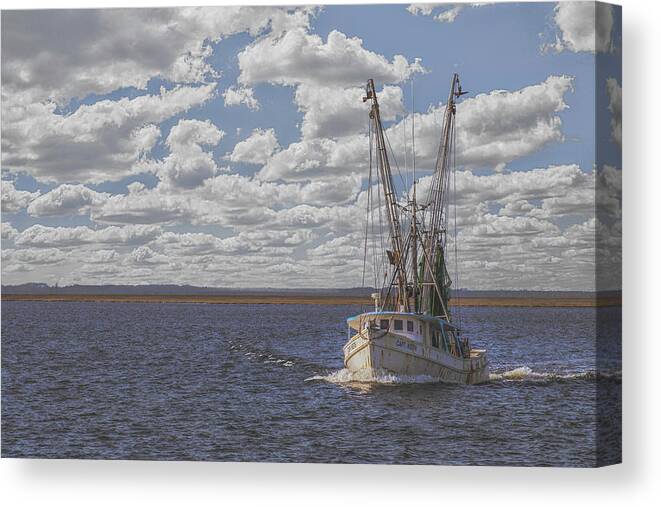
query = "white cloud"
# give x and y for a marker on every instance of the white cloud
(39, 256)
(329, 76)
(15, 200)
(102, 256)
(145, 255)
(43, 237)
(523, 245)
(493, 128)
(8, 232)
(339, 112)
(145, 206)
(338, 191)
(320, 159)
(174, 244)
(447, 15)
(583, 26)
(535, 184)
(546, 193)
(61, 54)
(98, 142)
(66, 199)
(506, 227)
(297, 56)
(608, 184)
(240, 201)
(615, 107)
(257, 148)
(423, 9)
(226, 199)
(300, 219)
(188, 164)
(234, 96)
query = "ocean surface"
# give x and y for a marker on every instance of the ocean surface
(265, 383)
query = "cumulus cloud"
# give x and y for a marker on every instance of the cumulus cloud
(240, 201)
(423, 9)
(100, 142)
(299, 218)
(320, 158)
(583, 26)
(8, 232)
(528, 229)
(38, 256)
(493, 128)
(41, 236)
(188, 164)
(145, 255)
(447, 15)
(66, 199)
(297, 56)
(545, 193)
(257, 148)
(201, 244)
(226, 199)
(535, 229)
(145, 206)
(59, 54)
(339, 112)
(234, 96)
(615, 107)
(15, 200)
(102, 256)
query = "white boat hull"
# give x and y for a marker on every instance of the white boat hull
(384, 351)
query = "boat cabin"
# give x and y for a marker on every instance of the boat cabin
(428, 331)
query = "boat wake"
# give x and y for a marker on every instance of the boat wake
(521, 374)
(271, 357)
(261, 356)
(345, 376)
(526, 374)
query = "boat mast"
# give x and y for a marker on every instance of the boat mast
(396, 256)
(435, 274)
(414, 206)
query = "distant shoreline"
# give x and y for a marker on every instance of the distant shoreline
(559, 302)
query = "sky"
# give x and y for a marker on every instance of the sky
(228, 146)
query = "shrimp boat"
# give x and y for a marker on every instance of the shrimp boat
(411, 331)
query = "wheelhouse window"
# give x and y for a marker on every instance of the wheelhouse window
(383, 323)
(409, 326)
(399, 325)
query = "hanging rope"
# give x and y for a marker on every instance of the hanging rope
(369, 198)
(456, 241)
(403, 179)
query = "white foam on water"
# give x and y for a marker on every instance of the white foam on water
(520, 374)
(345, 376)
(525, 373)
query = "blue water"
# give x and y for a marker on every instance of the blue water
(264, 383)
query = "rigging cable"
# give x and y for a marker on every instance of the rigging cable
(456, 241)
(367, 211)
(403, 179)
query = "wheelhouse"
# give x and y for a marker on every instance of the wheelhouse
(433, 332)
